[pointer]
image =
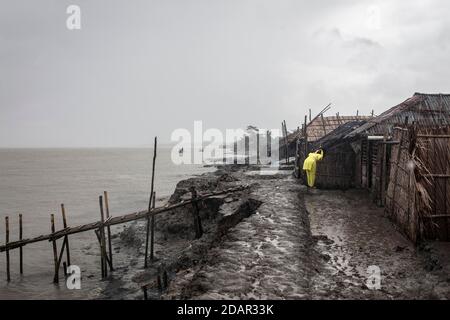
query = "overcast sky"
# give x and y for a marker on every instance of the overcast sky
(137, 69)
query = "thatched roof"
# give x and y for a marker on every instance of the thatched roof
(336, 136)
(423, 109)
(321, 126)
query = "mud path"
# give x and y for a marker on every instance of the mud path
(278, 240)
(351, 234)
(263, 257)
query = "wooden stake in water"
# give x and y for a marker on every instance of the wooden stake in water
(20, 249)
(8, 275)
(55, 250)
(150, 202)
(104, 263)
(152, 239)
(63, 212)
(108, 229)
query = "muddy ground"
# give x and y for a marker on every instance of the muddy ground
(276, 240)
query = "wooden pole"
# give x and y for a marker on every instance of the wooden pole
(384, 170)
(21, 248)
(63, 212)
(269, 143)
(152, 239)
(102, 238)
(235, 152)
(55, 250)
(8, 274)
(153, 173)
(108, 229)
(305, 148)
(338, 118)
(150, 201)
(397, 165)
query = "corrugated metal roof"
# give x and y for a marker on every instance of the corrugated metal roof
(426, 109)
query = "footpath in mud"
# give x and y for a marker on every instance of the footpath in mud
(277, 240)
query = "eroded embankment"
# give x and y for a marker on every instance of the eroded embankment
(278, 240)
(176, 248)
(262, 257)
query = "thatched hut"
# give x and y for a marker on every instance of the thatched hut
(372, 139)
(337, 169)
(327, 128)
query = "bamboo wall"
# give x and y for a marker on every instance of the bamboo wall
(418, 194)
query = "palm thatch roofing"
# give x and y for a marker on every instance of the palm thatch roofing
(423, 109)
(336, 136)
(321, 126)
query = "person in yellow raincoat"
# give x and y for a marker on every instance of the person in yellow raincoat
(310, 166)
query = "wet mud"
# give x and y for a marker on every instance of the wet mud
(276, 240)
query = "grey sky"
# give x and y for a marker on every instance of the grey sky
(142, 68)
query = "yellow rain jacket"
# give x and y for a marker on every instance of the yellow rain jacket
(310, 166)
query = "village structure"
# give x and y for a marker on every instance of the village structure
(402, 157)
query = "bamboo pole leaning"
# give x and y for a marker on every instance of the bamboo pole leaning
(8, 272)
(108, 229)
